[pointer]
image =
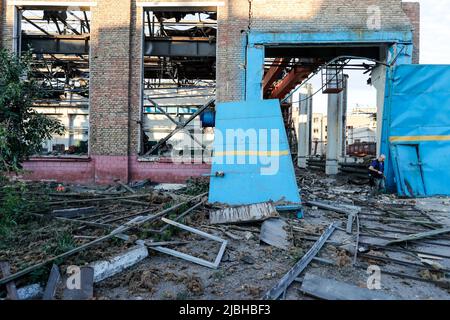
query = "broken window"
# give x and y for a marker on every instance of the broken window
(59, 40)
(179, 79)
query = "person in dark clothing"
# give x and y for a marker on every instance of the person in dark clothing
(376, 172)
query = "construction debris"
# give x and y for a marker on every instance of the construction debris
(295, 271)
(187, 257)
(418, 236)
(330, 289)
(254, 212)
(30, 292)
(10, 286)
(52, 283)
(74, 212)
(106, 239)
(274, 232)
(107, 268)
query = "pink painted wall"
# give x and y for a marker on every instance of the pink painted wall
(105, 169)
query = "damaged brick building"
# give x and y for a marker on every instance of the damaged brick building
(131, 53)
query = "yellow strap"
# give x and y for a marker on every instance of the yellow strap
(419, 138)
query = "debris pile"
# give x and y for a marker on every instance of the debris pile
(148, 241)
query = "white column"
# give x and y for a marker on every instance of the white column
(342, 116)
(333, 136)
(379, 82)
(304, 126)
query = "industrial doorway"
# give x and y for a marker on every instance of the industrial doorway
(314, 84)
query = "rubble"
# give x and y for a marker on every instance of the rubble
(248, 263)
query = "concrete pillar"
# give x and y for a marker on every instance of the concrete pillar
(304, 125)
(342, 124)
(379, 82)
(333, 136)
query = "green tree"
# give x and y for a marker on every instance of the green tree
(22, 129)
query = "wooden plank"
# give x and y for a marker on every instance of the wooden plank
(254, 212)
(330, 289)
(52, 283)
(418, 236)
(295, 271)
(10, 286)
(126, 187)
(74, 212)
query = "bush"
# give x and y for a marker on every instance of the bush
(22, 129)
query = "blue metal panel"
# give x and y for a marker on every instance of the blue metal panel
(246, 161)
(410, 173)
(255, 72)
(419, 115)
(347, 36)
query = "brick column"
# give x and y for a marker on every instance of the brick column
(412, 10)
(109, 90)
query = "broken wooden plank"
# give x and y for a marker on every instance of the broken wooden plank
(429, 257)
(107, 268)
(126, 186)
(342, 208)
(295, 271)
(181, 255)
(98, 199)
(74, 212)
(418, 236)
(52, 283)
(350, 219)
(330, 289)
(10, 286)
(82, 288)
(253, 212)
(273, 232)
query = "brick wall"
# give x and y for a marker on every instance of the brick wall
(412, 10)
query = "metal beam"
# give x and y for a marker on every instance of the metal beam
(56, 44)
(273, 73)
(295, 271)
(180, 127)
(293, 78)
(184, 47)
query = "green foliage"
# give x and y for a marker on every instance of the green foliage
(64, 242)
(22, 129)
(13, 208)
(197, 185)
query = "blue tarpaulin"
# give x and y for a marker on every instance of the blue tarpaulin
(419, 129)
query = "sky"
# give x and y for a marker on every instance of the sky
(434, 49)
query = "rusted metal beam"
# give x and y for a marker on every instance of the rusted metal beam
(292, 79)
(273, 73)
